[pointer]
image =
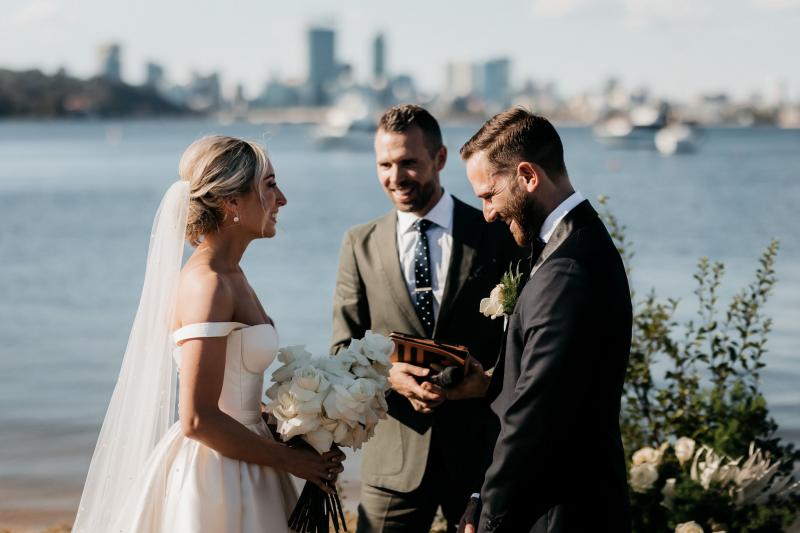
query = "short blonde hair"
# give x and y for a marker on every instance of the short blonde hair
(217, 167)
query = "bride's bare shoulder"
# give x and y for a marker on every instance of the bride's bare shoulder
(204, 295)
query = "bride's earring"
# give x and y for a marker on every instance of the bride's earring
(236, 219)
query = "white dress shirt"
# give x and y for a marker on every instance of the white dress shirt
(558, 214)
(440, 244)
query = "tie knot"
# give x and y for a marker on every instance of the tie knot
(422, 225)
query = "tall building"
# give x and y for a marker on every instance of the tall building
(321, 63)
(459, 83)
(154, 76)
(496, 81)
(110, 62)
(379, 58)
(205, 92)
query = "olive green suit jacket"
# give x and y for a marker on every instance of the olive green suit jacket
(371, 294)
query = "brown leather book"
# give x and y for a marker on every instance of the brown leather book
(422, 352)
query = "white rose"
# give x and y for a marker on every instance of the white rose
(668, 492)
(272, 392)
(298, 425)
(377, 348)
(339, 404)
(684, 449)
(284, 405)
(362, 390)
(292, 357)
(648, 455)
(643, 476)
(357, 437)
(290, 354)
(367, 372)
(309, 387)
(338, 364)
(320, 439)
(689, 527)
(493, 306)
(356, 350)
(379, 405)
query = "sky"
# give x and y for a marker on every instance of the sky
(677, 48)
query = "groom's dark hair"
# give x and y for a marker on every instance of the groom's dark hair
(401, 118)
(517, 135)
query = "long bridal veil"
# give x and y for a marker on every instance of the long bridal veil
(142, 405)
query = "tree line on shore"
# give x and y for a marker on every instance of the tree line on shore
(34, 94)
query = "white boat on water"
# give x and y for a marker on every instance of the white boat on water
(647, 128)
(636, 129)
(349, 125)
(676, 139)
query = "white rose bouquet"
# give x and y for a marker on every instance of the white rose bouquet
(326, 401)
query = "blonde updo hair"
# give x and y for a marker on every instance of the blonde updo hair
(217, 167)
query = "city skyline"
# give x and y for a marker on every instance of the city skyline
(676, 48)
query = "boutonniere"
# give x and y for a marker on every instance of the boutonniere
(503, 298)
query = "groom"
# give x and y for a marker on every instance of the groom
(558, 464)
(422, 269)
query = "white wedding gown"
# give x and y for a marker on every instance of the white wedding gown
(186, 487)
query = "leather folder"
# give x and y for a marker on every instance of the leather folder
(420, 351)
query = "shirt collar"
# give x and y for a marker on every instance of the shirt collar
(441, 215)
(552, 220)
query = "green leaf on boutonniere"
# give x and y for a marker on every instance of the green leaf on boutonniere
(512, 285)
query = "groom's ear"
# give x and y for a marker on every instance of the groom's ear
(528, 176)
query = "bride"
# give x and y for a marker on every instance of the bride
(217, 469)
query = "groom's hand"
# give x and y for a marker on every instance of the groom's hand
(425, 397)
(474, 385)
(472, 514)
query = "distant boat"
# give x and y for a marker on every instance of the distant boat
(676, 139)
(636, 129)
(646, 127)
(349, 125)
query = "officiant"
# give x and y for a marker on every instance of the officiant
(422, 269)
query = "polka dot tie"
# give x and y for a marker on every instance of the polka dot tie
(423, 291)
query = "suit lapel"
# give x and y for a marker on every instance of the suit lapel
(466, 236)
(582, 214)
(386, 244)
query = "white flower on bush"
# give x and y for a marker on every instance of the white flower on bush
(684, 449)
(493, 305)
(689, 527)
(753, 482)
(648, 455)
(668, 492)
(643, 477)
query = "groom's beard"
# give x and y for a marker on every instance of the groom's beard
(527, 214)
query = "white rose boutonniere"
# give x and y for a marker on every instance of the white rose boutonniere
(492, 306)
(503, 298)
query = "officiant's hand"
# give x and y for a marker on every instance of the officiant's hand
(424, 397)
(474, 385)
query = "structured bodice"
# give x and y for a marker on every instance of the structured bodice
(249, 351)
